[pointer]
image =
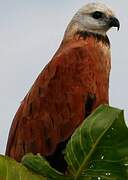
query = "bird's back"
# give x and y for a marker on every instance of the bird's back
(66, 91)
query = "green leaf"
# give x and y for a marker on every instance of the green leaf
(38, 164)
(12, 170)
(98, 150)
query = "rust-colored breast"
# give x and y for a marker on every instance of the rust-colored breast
(67, 90)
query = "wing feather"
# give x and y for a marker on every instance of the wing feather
(55, 105)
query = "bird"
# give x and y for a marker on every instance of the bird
(68, 89)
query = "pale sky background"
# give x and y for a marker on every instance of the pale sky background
(30, 33)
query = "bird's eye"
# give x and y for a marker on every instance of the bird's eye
(97, 15)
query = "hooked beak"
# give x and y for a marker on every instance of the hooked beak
(114, 22)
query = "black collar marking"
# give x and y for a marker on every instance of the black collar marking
(99, 37)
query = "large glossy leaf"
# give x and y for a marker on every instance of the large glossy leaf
(38, 164)
(12, 170)
(98, 150)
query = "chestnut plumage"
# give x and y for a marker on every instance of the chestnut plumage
(67, 90)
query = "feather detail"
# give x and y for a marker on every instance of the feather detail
(60, 98)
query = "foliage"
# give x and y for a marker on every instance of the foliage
(99, 147)
(12, 170)
(98, 150)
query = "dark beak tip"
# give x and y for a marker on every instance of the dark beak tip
(118, 28)
(114, 22)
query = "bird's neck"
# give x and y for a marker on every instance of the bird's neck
(76, 31)
(84, 35)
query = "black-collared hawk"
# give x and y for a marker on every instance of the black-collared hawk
(67, 90)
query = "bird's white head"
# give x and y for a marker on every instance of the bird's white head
(94, 17)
